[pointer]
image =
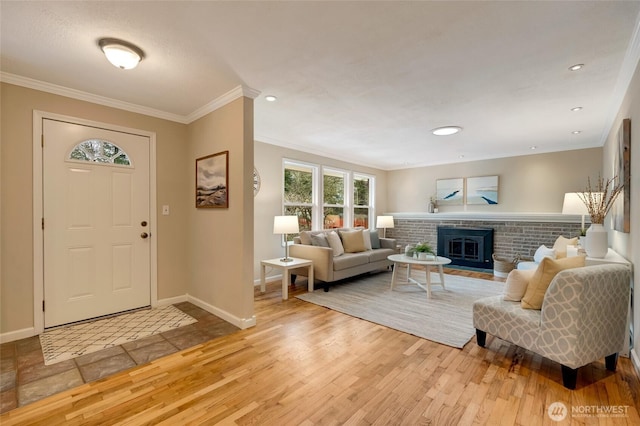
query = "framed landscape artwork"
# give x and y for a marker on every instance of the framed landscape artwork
(621, 211)
(212, 181)
(450, 192)
(482, 190)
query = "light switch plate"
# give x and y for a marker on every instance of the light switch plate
(165, 210)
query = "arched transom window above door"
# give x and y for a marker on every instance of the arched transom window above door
(99, 151)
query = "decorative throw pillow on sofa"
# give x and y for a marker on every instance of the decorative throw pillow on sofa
(352, 241)
(560, 246)
(366, 236)
(305, 238)
(516, 285)
(334, 242)
(543, 276)
(542, 252)
(375, 240)
(319, 240)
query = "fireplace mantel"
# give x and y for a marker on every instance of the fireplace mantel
(492, 217)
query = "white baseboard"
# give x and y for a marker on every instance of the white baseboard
(171, 301)
(17, 335)
(269, 279)
(238, 322)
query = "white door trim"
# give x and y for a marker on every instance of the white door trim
(38, 244)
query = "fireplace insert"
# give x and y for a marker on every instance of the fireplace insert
(470, 247)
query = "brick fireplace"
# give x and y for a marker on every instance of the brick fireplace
(514, 233)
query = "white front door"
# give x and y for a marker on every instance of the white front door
(96, 222)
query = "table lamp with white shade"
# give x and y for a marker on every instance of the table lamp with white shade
(285, 225)
(384, 222)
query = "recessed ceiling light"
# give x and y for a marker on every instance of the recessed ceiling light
(270, 98)
(533, 147)
(576, 67)
(446, 130)
(576, 132)
(120, 53)
(460, 156)
(576, 109)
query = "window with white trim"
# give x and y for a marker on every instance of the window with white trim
(300, 193)
(363, 200)
(341, 198)
(334, 183)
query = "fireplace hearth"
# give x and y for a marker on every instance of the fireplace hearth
(471, 247)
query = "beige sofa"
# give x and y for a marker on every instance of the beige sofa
(330, 265)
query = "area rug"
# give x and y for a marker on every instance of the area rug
(445, 318)
(69, 342)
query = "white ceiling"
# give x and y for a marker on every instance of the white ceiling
(354, 80)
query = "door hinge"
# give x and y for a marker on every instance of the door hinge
(43, 223)
(42, 140)
(43, 306)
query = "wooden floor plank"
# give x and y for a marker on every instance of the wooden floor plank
(306, 365)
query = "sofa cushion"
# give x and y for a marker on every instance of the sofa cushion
(560, 246)
(542, 277)
(380, 254)
(366, 236)
(352, 241)
(516, 284)
(375, 240)
(319, 240)
(335, 243)
(542, 252)
(350, 260)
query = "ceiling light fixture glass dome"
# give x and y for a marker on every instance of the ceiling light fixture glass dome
(446, 130)
(121, 54)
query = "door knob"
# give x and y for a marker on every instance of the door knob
(144, 235)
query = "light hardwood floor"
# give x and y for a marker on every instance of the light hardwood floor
(304, 364)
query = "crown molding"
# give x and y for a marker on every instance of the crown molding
(627, 70)
(310, 150)
(230, 96)
(88, 97)
(42, 86)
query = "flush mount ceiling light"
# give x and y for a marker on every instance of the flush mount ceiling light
(446, 130)
(270, 98)
(576, 109)
(576, 132)
(120, 53)
(576, 67)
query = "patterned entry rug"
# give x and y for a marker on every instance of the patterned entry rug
(69, 342)
(446, 318)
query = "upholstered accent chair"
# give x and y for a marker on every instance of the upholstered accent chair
(583, 319)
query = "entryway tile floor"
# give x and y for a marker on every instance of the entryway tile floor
(25, 379)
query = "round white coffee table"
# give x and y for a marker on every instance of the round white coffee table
(399, 259)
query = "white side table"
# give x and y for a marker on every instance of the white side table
(286, 268)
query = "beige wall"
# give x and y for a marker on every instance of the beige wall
(268, 203)
(221, 240)
(18, 103)
(528, 184)
(628, 245)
